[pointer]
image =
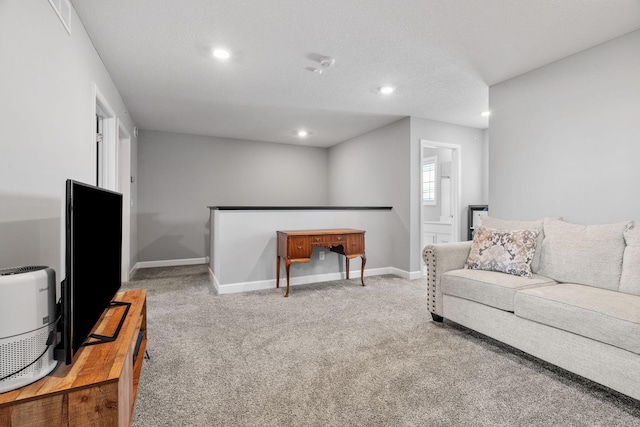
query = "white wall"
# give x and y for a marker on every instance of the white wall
(565, 138)
(485, 166)
(180, 175)
(47, 132)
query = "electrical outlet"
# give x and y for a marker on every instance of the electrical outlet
(321, 255)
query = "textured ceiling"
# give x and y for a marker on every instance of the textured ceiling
(441, 55)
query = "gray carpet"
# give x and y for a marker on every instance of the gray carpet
(338, 354)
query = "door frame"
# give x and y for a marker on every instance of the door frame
(107, 167)
(123, 149)
(113, 162)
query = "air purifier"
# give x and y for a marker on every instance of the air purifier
(27, 325)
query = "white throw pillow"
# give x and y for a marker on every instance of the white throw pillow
(583, 254)
(630, 278)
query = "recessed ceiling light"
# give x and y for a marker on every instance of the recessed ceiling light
(302, 133)
(221, 54)
(485, 113)
(387, 89)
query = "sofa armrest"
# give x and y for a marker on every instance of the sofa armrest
(439, 259)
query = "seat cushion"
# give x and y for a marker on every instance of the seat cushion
(600, 314)
(488, 287)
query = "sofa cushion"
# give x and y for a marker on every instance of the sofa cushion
(504, 251)
(585, 254)
(488, 287)
(600, 314)
(504, 224)
(630, 277)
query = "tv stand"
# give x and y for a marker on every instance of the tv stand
(99, 339)
(99, 387)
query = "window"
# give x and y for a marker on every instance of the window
(429, 180)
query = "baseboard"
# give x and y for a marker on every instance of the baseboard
(415, 275)
(170, 262)
(133, 270)
(409, 275)
(214, 282)
(231, 288)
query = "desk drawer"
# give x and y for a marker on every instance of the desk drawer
(299, 247)
(335, 239)
(355, 244)
(316, 240)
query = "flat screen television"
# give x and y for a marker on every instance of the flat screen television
(93, 241)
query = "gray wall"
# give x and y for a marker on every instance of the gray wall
(565, 138)
(244, 246)
(473, 164)
(383, 167)
(372, 170)
(180, 175)
(133, 226)
(46, 127)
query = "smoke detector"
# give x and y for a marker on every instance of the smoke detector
(326, 61)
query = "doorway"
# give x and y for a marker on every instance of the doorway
(440, 193)
(112, 144)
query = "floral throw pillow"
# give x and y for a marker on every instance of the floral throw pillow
(504, 251)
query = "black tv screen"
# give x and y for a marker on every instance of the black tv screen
(93, 261)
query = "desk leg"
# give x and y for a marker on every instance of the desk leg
(288, 267)
(364, 261)
(347, 258)
(277, 271)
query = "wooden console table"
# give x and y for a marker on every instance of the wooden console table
(98, 389)
(297, 245)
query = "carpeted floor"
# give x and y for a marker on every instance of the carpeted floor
(338, 354)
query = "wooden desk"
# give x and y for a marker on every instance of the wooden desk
(98, 389)
(297, 245)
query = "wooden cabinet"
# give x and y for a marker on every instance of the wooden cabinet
(99, 388)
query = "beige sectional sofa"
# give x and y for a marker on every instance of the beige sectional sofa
(579, 309)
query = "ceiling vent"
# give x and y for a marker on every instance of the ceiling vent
(63, 10)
